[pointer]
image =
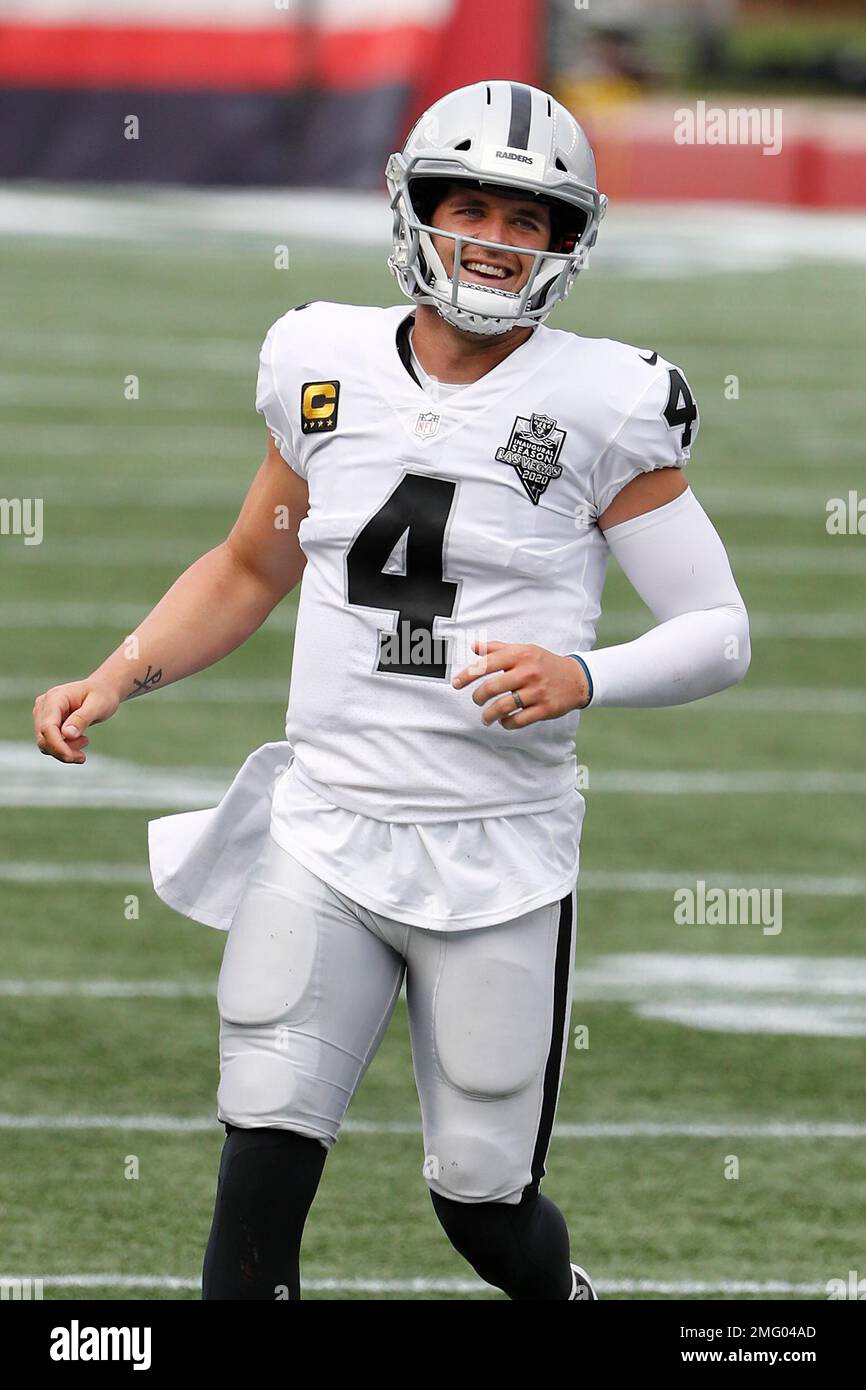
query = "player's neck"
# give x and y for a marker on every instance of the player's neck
(447, 353)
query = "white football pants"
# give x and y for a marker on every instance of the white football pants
(309, 982)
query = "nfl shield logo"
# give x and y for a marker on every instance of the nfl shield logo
(427, 424)
(541, 425)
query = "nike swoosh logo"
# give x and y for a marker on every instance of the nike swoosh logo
(651, 360)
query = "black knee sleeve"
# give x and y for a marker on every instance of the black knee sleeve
(521, 1249)
(267, 1181)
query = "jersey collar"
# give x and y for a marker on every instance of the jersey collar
(404, 352)
(404, 328)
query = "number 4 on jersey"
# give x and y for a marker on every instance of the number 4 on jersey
(681, 408)
(418, 509)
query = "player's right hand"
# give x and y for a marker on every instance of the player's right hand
(62, 714)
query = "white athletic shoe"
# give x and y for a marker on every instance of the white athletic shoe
(582, 1287)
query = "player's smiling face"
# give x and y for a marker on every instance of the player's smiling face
(515, 220)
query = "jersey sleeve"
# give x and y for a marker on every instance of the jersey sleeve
(658, 432)
(270, 403)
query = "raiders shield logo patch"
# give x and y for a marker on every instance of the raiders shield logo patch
(533, 450)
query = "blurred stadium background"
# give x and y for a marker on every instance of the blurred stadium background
(256, 125)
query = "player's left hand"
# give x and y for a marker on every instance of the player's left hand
(548, 684)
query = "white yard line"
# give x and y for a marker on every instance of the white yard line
(217, 690)
(62, 614)
(758, 783)
(667, 881)
(41, 871)
(182, 440)
(208, 1124)
(591, 880)
(809, 453)
(781, 699)
(100, 786)
(153, 1124)
(179, 1283)
(27, 779)
(106, 989)
(638, 238)
(212, 690)
(168, 494)
(65, 614)
(161, 353)
(171, 493)
(101, 552)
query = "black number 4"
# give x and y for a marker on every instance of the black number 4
(418, 507)
(681, 408)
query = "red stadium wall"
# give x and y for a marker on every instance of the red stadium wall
(238, 91)
(317, 93)
(485, 38)
(821, 162)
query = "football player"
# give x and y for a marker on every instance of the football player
(450, 477)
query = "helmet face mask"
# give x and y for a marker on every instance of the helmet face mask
(561, 175)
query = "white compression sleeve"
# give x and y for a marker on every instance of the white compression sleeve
(675, 560)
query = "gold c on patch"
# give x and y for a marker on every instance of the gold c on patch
(320, 401)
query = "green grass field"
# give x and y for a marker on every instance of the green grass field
(764, 1030)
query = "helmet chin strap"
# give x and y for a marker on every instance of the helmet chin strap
(478, 317)
(483, 325)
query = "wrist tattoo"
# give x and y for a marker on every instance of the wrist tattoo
(149, 682)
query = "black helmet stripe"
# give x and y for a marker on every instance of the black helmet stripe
(521, 116)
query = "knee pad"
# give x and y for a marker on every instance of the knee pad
(467, 1168)
(477, 1055)
(265, 998)
(257, 1089)
(268, 966)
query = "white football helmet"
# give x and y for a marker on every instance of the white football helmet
(500, 135)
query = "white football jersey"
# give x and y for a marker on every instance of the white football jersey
(433, 522)
(435, 517)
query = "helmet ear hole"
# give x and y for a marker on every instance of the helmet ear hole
(567, 227)
(426, 195)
